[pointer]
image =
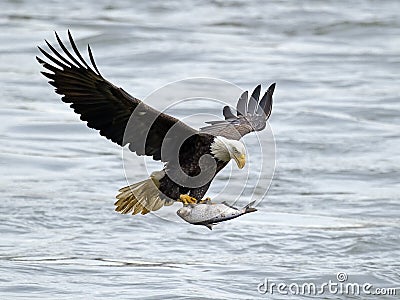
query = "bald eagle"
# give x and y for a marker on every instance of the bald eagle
(191, 157)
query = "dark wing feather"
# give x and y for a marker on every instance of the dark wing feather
(241, 107)
(227, 112)
(251, 116)
(104, 106)
(265, 105)
(253, 101)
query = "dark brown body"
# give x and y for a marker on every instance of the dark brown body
(192, 150)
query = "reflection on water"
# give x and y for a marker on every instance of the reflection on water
(333, 204)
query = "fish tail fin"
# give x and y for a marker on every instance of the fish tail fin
(249, 209)
(142, 197)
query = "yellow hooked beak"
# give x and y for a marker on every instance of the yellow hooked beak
(240, 160)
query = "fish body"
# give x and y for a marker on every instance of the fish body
(209, 214)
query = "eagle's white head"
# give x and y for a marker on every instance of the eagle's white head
(225, 149)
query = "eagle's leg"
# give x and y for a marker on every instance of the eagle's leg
(186, 199)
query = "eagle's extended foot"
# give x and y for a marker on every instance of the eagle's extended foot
(186, 199)
(205, 201)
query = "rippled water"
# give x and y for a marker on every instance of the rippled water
(334, 202)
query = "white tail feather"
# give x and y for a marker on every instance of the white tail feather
(142, 197)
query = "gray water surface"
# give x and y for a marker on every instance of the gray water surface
(333, 205)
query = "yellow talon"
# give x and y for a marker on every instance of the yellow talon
(186, 199)
(205, 200)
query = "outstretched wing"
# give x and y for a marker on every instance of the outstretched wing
(104, 106)
(251, 115)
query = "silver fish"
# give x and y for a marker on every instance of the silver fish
(208, 214)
